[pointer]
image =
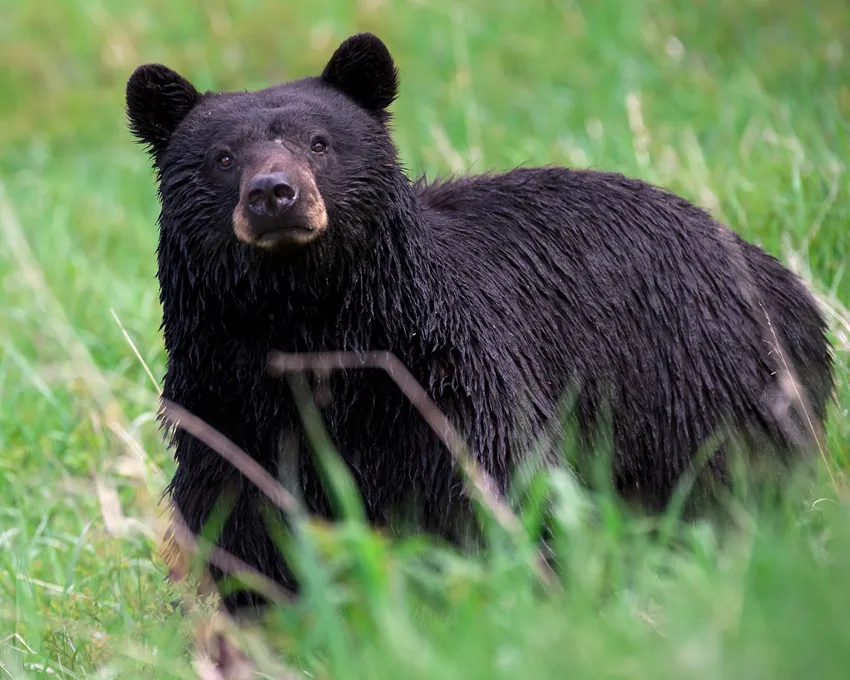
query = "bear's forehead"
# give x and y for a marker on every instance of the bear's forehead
(293, 101)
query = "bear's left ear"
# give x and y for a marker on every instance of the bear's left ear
(158, 99)
(362, 68)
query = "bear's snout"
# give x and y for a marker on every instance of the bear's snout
(270, 195)
(279, 207)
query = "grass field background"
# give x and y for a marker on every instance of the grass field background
(741, 106)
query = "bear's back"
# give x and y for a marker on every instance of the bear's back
(614, 282)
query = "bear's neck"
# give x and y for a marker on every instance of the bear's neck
(383, 289)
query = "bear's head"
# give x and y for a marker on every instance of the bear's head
(278, 169)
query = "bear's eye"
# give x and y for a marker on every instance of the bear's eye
(225, 161)
(318, 145)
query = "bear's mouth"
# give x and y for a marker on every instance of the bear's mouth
(289, 235)
(273, 234)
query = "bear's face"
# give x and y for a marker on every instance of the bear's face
(276, 169)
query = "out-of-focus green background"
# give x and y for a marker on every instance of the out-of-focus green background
(741, 106)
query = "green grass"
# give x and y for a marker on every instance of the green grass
(741, 106)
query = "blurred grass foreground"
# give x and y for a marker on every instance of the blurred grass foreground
(741, 106)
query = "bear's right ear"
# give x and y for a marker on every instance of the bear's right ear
(157, 100)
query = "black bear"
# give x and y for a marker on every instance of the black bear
(288, 223)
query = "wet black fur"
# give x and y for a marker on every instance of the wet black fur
(499, 292)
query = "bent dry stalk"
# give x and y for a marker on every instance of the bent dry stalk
(484, 488)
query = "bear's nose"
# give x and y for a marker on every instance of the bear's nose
(270, 194)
